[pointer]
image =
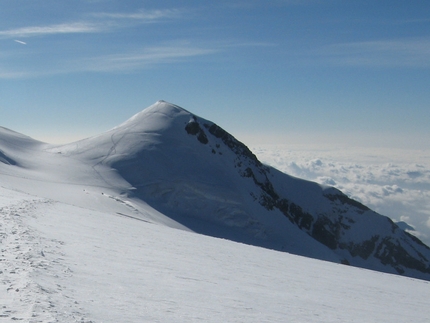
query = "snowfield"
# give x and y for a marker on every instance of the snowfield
(63, 263)
(98, 231)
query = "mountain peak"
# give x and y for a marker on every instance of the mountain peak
(159, 108)
(197, 174)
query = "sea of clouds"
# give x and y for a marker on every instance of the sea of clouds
(393, 182)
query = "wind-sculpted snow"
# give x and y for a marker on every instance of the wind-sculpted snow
(187, 172)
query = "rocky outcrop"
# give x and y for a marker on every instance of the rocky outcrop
(193, 128)
(339, 226)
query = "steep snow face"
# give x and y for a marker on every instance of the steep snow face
(193, 171)
(184, 171)
(193, 182)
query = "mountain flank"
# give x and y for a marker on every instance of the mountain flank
(196, 174)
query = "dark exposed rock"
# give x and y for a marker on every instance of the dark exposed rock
(363, 250)
(331, 230)
(322, 232)
(267, 201)
(265, 185)
(193, 128)
(231, 142)
(202, 138)
(302, 219)
(346, 200)
(284, 206)
(392, 253)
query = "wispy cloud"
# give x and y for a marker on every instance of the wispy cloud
(20, 42)
(167, 53)
(125, 62)
(99, 22)
(128, 61)
(380, 53)
(10, 75)
(142, 15)
(147, 57)
(71, 28)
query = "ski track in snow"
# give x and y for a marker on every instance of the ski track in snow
(25, 255)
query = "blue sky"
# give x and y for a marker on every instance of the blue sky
(350, 72)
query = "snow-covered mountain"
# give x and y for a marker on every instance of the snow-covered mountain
(168, 166)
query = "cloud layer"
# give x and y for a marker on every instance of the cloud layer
(395, 183)
(115, 55)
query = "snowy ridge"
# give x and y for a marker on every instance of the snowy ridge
(89, 233)
(192, 170)
(187, 172)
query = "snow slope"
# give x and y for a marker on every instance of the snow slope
(168, 166)
(63, 263)
(196, 185)
(197, 174)
(89, 233)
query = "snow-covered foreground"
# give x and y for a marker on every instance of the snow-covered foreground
(67, 263)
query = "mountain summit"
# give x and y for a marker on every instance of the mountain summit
(199, 176)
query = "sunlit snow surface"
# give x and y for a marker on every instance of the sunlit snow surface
(76, 247)
(62, 263)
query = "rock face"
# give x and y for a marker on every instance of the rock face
(195, 172)
(344, 225)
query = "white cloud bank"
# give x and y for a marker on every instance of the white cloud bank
(395, 183)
